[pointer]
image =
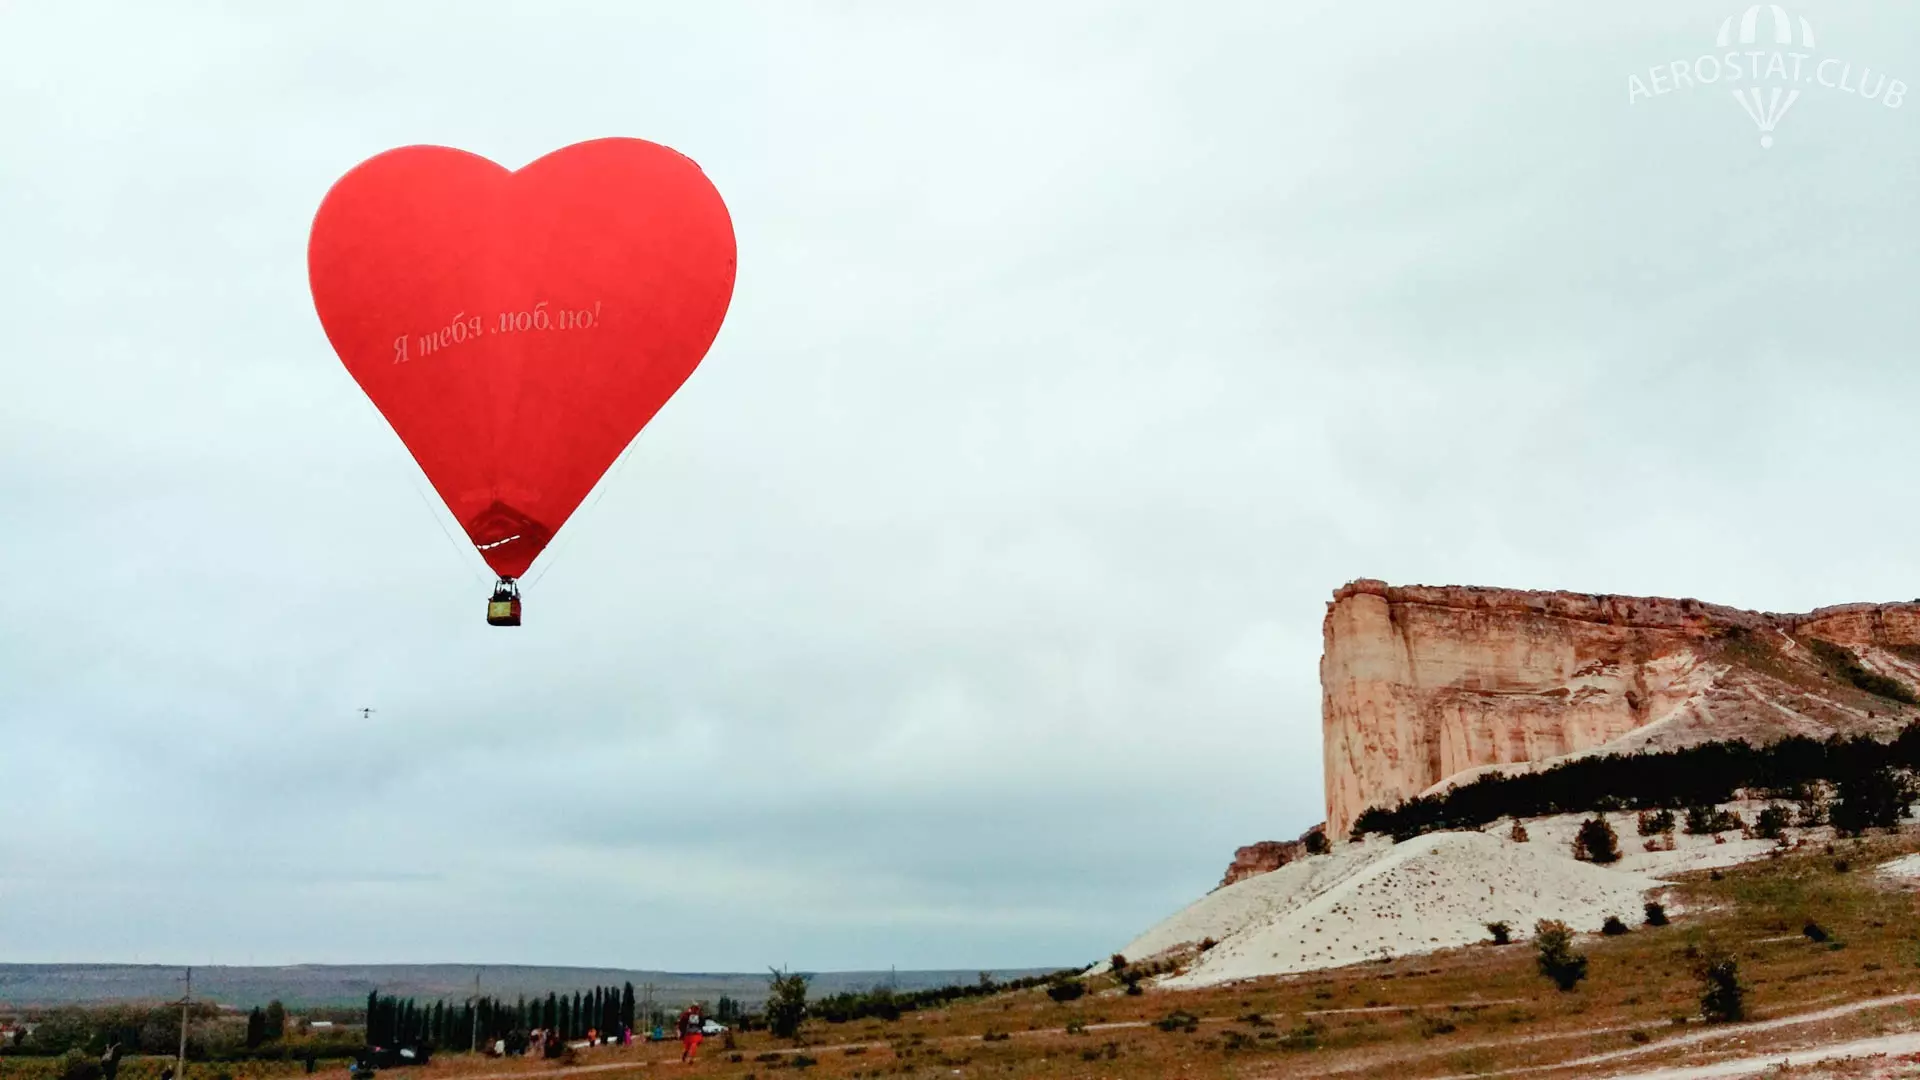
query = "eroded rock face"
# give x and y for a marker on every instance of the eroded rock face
(1425, 686)
(1260, 858)
(1270, 855)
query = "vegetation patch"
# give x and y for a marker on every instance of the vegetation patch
(1841, 661)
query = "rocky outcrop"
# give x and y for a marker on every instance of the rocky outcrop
(1270, 855)
(1426, 686)
(1261, 858)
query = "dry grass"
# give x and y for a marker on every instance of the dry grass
(1464, 1012)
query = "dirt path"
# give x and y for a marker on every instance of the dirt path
(1719, 1031)
(1908, 1043)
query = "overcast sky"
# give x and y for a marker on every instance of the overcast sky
(964, 608)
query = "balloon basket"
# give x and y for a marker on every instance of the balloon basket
(504, 608)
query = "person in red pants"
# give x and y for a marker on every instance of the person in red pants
(691, 1024)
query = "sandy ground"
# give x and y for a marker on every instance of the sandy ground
(1689, 852)
(1908, 867)
(1365, 901)
(1375, 898)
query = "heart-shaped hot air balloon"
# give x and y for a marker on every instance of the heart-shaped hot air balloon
(519, 327)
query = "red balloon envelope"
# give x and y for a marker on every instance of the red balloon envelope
(519, 328)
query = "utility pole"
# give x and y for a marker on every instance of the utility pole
(476, 1013)
(180, 1066)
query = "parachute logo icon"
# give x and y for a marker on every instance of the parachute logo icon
(1766, 109)
(1766, 60)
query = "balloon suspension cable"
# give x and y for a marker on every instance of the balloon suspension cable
(414, 482)
(451, 542)
(566, 535)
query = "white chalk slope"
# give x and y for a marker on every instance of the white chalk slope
(1366, 900)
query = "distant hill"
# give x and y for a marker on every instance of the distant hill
(319, 985)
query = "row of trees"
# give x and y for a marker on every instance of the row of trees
(885, 1003)
(393, 1021)
(1873, 780)
(396, 1021)
(266, 1025)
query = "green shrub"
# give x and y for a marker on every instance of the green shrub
(1772, 822)
(1431, 1025)
(1557, 960)
(1708, 820)
(1656, 913)
(1596, 842)
(1874, 799)
(1178, 1020)
(1502, 933)
(1655, 822)
(1613, 927)
(1723, 1000)
(1316, 843)
(1842, 662)
(786, 1004)
(1066, 990)
(1305, 1037)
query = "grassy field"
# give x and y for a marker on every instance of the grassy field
(1465, 1012)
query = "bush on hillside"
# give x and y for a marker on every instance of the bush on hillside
(1773, 822)
(1655, 822)
(1842, 662)
(1723, 999)
(1707, 820)
(1557, 960)
(1066, 990)
(1876, 799)
(1596, 842)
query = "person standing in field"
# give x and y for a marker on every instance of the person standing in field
(691, 1023)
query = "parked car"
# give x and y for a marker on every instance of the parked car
(390, 1057)
(712, 1027)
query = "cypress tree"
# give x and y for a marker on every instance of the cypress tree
(627, 1006)
(550, 1016)
(256, 1028)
